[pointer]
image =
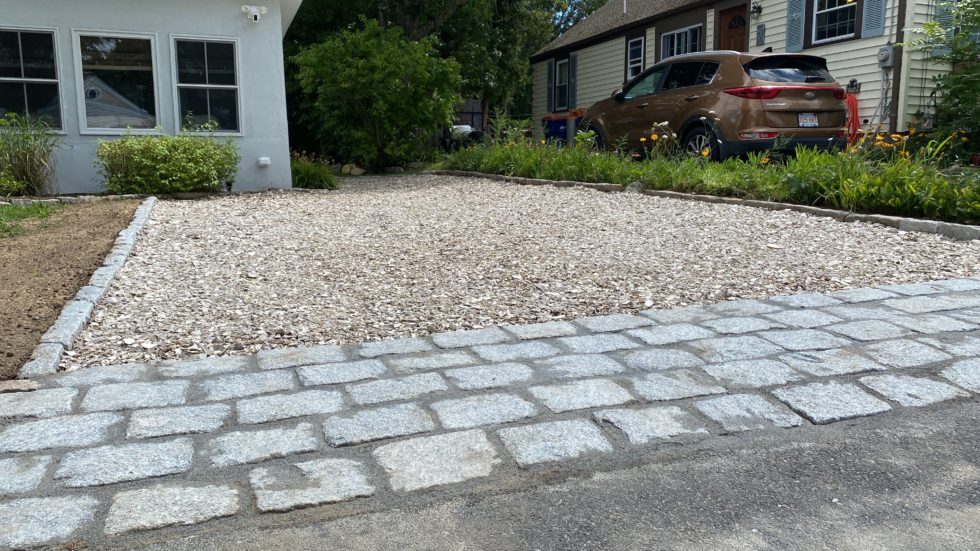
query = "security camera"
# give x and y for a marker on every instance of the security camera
(254, 13)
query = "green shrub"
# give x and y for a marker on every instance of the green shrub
(26, 166)
(376, 98)
(167, 164)
(311, 173)
(902, 185)
(9, 186)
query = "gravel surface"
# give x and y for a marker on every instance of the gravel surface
(399, 257)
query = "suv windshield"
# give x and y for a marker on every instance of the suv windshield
(789, 69)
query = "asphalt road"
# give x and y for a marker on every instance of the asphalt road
(909, 479)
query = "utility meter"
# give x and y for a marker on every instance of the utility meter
(886, 56)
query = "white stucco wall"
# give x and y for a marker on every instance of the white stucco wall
(261, 75)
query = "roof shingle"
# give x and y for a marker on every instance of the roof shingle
(611, 17)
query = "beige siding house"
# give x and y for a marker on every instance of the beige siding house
(598, 55)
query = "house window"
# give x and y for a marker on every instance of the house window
(207, 84)
(634, 58)
(681, 41)
(118, 82)
(29, 76)
(561, 85)
(834, 19)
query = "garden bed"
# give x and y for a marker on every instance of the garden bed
(44, 263)
(403, 256)
(869, 179)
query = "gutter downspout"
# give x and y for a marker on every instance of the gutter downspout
(893, 110)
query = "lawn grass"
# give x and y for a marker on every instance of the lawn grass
(10, 215)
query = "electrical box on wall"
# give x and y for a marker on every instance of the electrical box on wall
(265, 162)
(886, 56)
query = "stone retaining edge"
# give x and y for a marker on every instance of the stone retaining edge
(76, 313)
(957, 232)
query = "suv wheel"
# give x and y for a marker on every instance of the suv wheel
(700, 140)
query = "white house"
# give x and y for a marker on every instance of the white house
(622, 38)
(95, 69)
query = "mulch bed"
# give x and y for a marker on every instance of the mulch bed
(45, 266)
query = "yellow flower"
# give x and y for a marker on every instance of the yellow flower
(764, 160)
(654, 137)
(705, 152)
(542, 142)
(888, 145)
(912, 131)
(643, 139)
(964, 139)
(905, 154)
(896, 137)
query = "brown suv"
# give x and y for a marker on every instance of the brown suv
(727, 103)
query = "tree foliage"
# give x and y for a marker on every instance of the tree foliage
(569, 12)
(491, 40)
(376, 97)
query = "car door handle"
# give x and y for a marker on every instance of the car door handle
(643, 106)
(692, 98)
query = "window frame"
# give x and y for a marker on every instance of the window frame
(813, 23)
(58, 73)
(175, 77)
(83, 127)
(558, 62)
(684, 30)
(641, 63)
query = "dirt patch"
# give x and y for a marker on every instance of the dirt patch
(44, 267)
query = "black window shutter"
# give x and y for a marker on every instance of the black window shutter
(572, 81)
(550, 91)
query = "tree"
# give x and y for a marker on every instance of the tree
(374, 97)
(569, 12)
(492, 40)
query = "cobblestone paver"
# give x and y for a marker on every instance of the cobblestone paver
(99, 453)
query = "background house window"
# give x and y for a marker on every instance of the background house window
(118, 82)
(634, 58)
(681, 41)
(29, 76)
(561, 85)
(834, 19)
(207, 84)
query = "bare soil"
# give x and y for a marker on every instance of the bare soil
(45, 265)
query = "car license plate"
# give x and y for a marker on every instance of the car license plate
(808, 120)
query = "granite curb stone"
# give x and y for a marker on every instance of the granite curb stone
(75, 314)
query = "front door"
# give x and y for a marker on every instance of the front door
(733, 31)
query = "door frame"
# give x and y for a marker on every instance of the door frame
(719, 20)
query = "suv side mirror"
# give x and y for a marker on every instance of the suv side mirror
(619, 95)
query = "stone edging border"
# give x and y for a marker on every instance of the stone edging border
(61, 336)
(69, 199)
(957, 232)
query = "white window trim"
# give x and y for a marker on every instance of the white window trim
(568, 79)
(640, 64)
(178, 116)
(80, 82)
(675, 32)
(59, 77)
(813, 24)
